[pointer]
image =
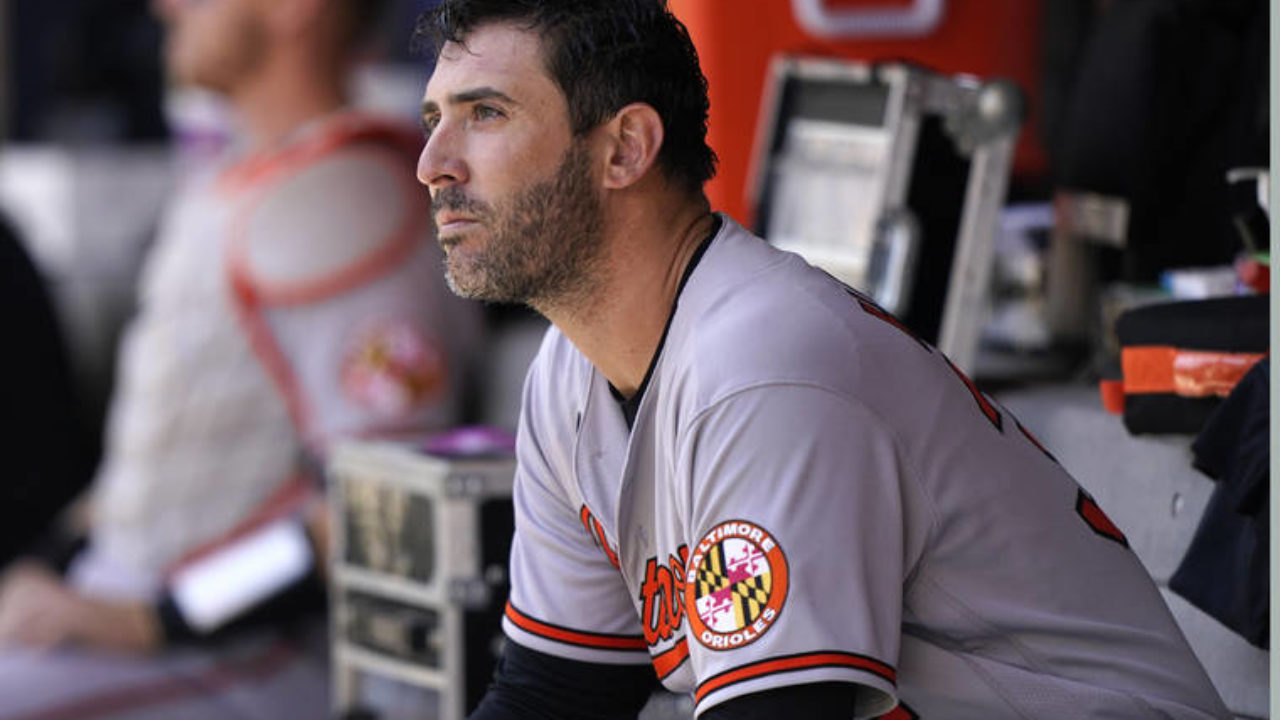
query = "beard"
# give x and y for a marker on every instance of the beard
(544, 244)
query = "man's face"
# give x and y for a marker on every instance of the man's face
(514, 196)
(212, 43)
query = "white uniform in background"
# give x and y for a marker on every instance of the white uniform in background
(811, 494)
(292, 298)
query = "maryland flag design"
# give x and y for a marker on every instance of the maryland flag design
(733, 585)
(736, 585)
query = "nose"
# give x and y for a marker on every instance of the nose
(440, 164)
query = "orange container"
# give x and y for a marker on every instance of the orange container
(737, 38)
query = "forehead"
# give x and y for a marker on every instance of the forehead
(502, 56)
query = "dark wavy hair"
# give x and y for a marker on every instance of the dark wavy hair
(605, 54)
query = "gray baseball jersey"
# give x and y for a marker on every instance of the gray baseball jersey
(809, 493)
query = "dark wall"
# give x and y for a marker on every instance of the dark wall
(83, 71)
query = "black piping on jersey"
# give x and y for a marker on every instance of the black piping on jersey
(570, 636)
(630, 406)
(798, 662)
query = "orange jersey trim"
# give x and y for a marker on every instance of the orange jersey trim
(596, 531)
(1189, 373)
(599, 641)
(249, 312)
(666, 663)
(350, 128)
(793, 663)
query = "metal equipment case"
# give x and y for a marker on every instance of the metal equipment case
(418, 578)
(891, 178)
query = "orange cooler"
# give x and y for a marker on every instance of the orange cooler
(737, 38)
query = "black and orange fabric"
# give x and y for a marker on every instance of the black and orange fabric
(1180, 359)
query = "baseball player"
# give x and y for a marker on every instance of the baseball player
(736, 476)
(293, 297)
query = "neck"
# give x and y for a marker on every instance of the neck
(646, 250)
(286, 94)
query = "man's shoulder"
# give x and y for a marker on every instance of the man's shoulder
(759, 315)
(555, 386)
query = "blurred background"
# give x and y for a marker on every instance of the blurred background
(1149, 103)
(94, 139)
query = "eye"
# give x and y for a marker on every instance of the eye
(481, 112)
(429, 123)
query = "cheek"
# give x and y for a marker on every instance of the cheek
(540, 155)
(515, 166)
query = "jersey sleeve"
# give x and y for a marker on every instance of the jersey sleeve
(796, 546)
(568, 598)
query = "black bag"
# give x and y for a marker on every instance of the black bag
(1181, 359)
(1226, 571)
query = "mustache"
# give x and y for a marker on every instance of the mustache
(455, 199)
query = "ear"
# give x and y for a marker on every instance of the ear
(633, 138)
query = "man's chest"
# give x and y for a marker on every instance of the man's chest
(629, 486)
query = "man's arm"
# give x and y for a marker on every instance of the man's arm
(38, 610)
(831, 527)
(268, 576)
(531, 685)
(816, 701)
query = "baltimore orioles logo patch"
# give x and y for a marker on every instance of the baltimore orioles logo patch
(735, 585)
(392, 368)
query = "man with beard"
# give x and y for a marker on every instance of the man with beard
(293, 298)
(735, 475)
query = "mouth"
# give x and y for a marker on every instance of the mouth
(452, 230)
(451, 223)
(446, 219)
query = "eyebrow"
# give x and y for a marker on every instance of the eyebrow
(468, 96)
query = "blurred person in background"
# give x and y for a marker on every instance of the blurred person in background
(293, 297)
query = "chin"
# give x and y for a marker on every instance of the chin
(466, 287)
(461, 274)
